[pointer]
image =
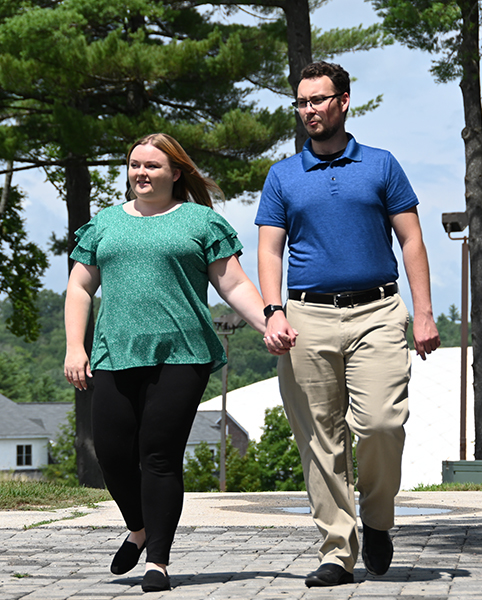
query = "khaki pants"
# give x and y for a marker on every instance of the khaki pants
(348, 372)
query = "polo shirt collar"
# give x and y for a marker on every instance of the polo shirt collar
(309, 159)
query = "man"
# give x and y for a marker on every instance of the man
(337, 203)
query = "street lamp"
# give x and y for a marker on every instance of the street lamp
(456, 222)
(225, 325)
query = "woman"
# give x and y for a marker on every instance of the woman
(154, 343)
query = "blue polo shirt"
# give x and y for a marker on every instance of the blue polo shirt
(336, 215)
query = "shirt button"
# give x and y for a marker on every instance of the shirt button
(333, 179)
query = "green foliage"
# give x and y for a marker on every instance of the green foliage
(33, 372)
(199, 470)
(354, 441)
(272, 464)
(64, 457)
(17, 384)
(15, 381)
(359, 111)
(449, 328)
(409, 333)
(278, 455)
(249, 361)
(22, 264)
(433, 26)
(327, 44)
(449, 487)
(84, 78)
(243, 473)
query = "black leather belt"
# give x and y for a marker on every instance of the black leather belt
(345, 299)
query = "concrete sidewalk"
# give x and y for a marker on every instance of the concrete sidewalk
(246, 546)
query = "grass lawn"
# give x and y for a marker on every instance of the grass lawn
(449, 487)
(38, 495)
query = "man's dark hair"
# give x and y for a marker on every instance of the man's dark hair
(339, 77)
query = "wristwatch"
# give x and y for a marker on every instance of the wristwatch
(271, 308)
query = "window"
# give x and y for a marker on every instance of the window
(24, 456)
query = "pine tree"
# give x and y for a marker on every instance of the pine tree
(22, 264)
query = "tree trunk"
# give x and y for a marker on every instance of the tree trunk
(6, 187)
(472, 135)
(298, 23)
(77, 181)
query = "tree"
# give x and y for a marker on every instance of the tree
(22, 264)
(454, 313)
(41, 360)
(199, 470)
(450, 30)
(15, 382)
(273, 464)
(64, 463)
(305, 45)
(249, 477)
(278, 455)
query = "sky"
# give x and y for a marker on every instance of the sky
(419, 121)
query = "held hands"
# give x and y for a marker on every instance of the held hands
(279, 337)
(77, 368)
(425, 335)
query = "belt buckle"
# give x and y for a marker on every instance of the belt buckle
(338, 297)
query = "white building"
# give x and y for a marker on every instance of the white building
(207, 428)
(25, 431)
(433, 429)
(23, 442)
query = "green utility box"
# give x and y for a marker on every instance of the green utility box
(462, 471)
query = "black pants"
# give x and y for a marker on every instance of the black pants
(141, 423)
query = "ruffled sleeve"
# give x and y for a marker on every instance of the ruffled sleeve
(87, 241)
(221, 239)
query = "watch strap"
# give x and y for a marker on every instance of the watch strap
(271, 308)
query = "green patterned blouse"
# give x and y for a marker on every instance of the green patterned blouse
(154, 281)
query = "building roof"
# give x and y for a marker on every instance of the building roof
(51, 415)
(15, 424)
(207, 427)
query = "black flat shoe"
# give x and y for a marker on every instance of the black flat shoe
(155, 581)
(327, 575)
(126, 557)
(377, 550)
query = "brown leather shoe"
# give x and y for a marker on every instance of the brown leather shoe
(327, 575)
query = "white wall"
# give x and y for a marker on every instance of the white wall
(8, 453)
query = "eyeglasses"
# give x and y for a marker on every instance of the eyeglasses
(314, 102)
